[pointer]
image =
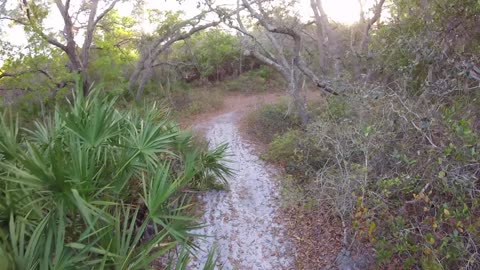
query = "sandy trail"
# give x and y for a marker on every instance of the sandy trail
(242, 221)
(242, 104)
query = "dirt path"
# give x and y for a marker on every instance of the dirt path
(242, 104)
(242, 221)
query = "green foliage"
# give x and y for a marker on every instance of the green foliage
(259, 80)
(41, 69)
(416, 44)
(283, 147)
(403, 177)
(337, 109)
(269, 121)
(169, 20)
(110, 65)
(213, 172)
(421, 185)
(97, 187)
(264, 72)
(213, 51)
(37, 74)
(100, 187)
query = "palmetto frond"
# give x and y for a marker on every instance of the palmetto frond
(93, 187)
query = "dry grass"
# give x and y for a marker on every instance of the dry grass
(197, 101)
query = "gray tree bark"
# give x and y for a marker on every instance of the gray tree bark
(145, 65)
(327, 40)
(287, 61)
(361, 50)
(78, 57)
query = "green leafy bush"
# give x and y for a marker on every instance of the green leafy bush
(254, 81)
(269, 121)
(283, 147)
(337, 109)
(214, 52)
(97, 187)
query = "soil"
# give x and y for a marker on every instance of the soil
(232, 103)
(241, 104)
(246, 223)
(241, 221)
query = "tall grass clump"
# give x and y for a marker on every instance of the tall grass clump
(95, 187)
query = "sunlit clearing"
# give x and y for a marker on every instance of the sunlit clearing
(340, 11)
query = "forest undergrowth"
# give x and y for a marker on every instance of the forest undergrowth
(399, 174)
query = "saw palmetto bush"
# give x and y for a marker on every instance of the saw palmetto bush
(95, 187)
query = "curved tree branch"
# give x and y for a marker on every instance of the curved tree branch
(17, 74)
(297, 58)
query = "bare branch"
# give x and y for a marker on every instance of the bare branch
(172, 64)
(146, 63)
(183, 36)
(370, 22)
(107, 10)
(319, 83)
(14, 20)
(268, 61)
(67, 6)
(37, 29)
(20, 73)
(13, 75)
(297, 59)
(376, 13)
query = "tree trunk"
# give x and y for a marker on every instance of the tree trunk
(321, 32)
(294, 90)
(146, 75)
(336, 53)
(362, 51)
(327, 40)
(86, 84)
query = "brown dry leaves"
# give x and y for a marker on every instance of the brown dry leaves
(317, 236)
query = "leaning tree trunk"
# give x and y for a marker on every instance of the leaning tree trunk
(294, 90)
(80, 71)
(362, 51)
(87, 84)
(146, 75)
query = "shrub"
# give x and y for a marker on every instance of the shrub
(258, 80)
(264, 72)
(282, 148)
(213, 51)
(338, 108)
(97, 187)
(269, 121)
(402, 160)
(401, 173)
